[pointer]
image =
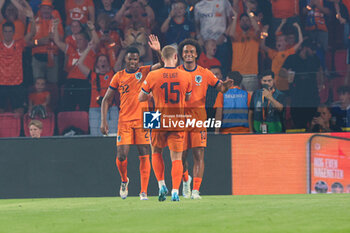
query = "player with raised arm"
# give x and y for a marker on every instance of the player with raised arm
(130, 131)
(170, 87)
(196, 138)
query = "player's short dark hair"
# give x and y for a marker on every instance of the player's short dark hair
(189, 42)
(242, 15)
(236, 77)
(132, 50)
(266, 73)
(168, 51)
(343, 89)
(8, 24)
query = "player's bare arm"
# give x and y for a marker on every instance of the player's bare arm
(188, 97)
(224, 86)
(155, 45)
(106, 103)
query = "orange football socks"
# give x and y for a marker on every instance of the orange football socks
(123, 170)
(145, 170)
(158, 166)
(197, 183)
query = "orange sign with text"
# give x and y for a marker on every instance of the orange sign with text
(329, 164)
(290, 163)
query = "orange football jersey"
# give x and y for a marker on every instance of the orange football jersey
(201, 79)
(129, 87)
(169, 87)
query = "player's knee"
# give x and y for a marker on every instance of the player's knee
(198, 154)
(144, 149)
(121, 157)
(122, 154)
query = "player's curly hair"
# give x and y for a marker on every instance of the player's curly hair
(189, 42)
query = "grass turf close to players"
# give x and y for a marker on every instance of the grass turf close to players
(272, 213)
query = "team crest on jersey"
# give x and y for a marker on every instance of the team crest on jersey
(119, 138)
(106, 77)
(138, 75)
(198, 79)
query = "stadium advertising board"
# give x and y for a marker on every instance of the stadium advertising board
(280, 163)
(329, 164)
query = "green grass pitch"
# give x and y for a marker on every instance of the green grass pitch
(270, 213)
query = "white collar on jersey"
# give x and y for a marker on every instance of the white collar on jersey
(10, 45)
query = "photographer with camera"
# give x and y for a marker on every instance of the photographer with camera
(266, 106)
(99, 77)
(322, 121)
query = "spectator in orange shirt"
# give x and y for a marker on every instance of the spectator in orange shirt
(14, 13)
(81, 10)
(11, 70)
(39, 99)
(45, 52)
(76, 27)
(77, 86)
(109, 40)
(35, 128)
(100, 78)
(245, 47)
(207, 58)
(280, 54)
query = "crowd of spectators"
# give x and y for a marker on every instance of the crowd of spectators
(77, 45)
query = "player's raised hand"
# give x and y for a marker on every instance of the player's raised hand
(104, 128)
(154, 42)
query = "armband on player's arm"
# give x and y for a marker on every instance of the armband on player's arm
(143, 96)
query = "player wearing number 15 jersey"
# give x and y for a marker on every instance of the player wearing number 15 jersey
(130, 131)
(170, 87)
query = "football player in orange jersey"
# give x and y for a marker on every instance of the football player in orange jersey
(189, 51)
(170, 87)
(130, 130)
